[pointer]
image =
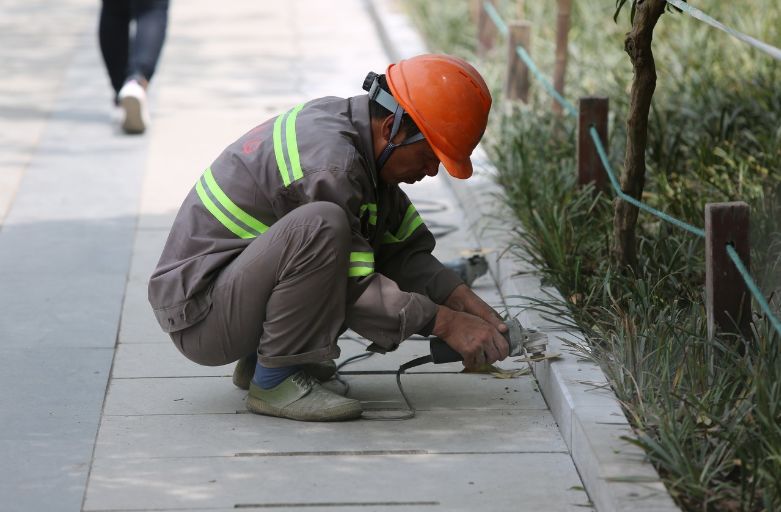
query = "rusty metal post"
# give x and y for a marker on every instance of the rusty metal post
(592, 110)
(727, 298)
(562, 37)
(517, 84)
(486, 30)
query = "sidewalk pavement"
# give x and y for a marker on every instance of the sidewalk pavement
(100, 412)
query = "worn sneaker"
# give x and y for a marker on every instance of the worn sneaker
(245, 370)
(132, 99)
(301, 397)
(321, 371)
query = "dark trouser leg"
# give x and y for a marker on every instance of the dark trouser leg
(114, 37)
(283, 296)
(151, 22)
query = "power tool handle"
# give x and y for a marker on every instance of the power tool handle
(442, 353)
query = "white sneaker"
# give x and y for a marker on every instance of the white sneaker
(132, 99)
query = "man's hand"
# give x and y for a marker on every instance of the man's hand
(462, 298)
(478, 341)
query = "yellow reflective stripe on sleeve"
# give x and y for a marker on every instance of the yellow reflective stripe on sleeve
(219, 215)
(366, 257)
(278, 154)
(372, 207)
(411, 227)
(360, 271)
(361, 264)
(292, 142)
(388, 238)
(409, 224)
(229, 205)
(409, 217)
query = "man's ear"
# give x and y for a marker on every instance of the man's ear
(386, 127)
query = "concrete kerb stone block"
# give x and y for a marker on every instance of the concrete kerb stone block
(616, 473)
(617, 469)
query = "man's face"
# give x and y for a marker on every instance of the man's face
(410, 163)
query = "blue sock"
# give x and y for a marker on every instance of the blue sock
(267, 378)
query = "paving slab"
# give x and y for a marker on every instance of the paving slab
(148, 245)
(515, 482)
(170, 395)
(145, 360)
(217, 395)
(139, 324)
(50, 408)
(162, 359)
(226, 435)
(447, 391)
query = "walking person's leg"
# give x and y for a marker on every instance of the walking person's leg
(114, 38)
(151, 22)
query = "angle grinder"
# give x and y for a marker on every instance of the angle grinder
(521, 340)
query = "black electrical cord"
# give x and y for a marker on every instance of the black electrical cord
(439, 230)
(347, 361)
(411, 411)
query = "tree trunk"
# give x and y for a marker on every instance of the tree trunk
(638, 45)
(562, 35)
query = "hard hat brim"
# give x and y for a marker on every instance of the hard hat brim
(461, 169)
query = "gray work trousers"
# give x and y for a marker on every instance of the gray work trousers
(284, 295)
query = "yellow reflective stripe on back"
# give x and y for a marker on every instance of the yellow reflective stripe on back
(229, 205)
(287, 150)
(278, 154)
(292, 142)
(219, 215)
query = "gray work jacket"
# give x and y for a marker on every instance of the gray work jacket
(318, 151)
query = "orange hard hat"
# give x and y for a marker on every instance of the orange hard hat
(448, 100)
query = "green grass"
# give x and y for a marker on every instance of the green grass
(708, 412)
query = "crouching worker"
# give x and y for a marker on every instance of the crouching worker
(299, 230)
